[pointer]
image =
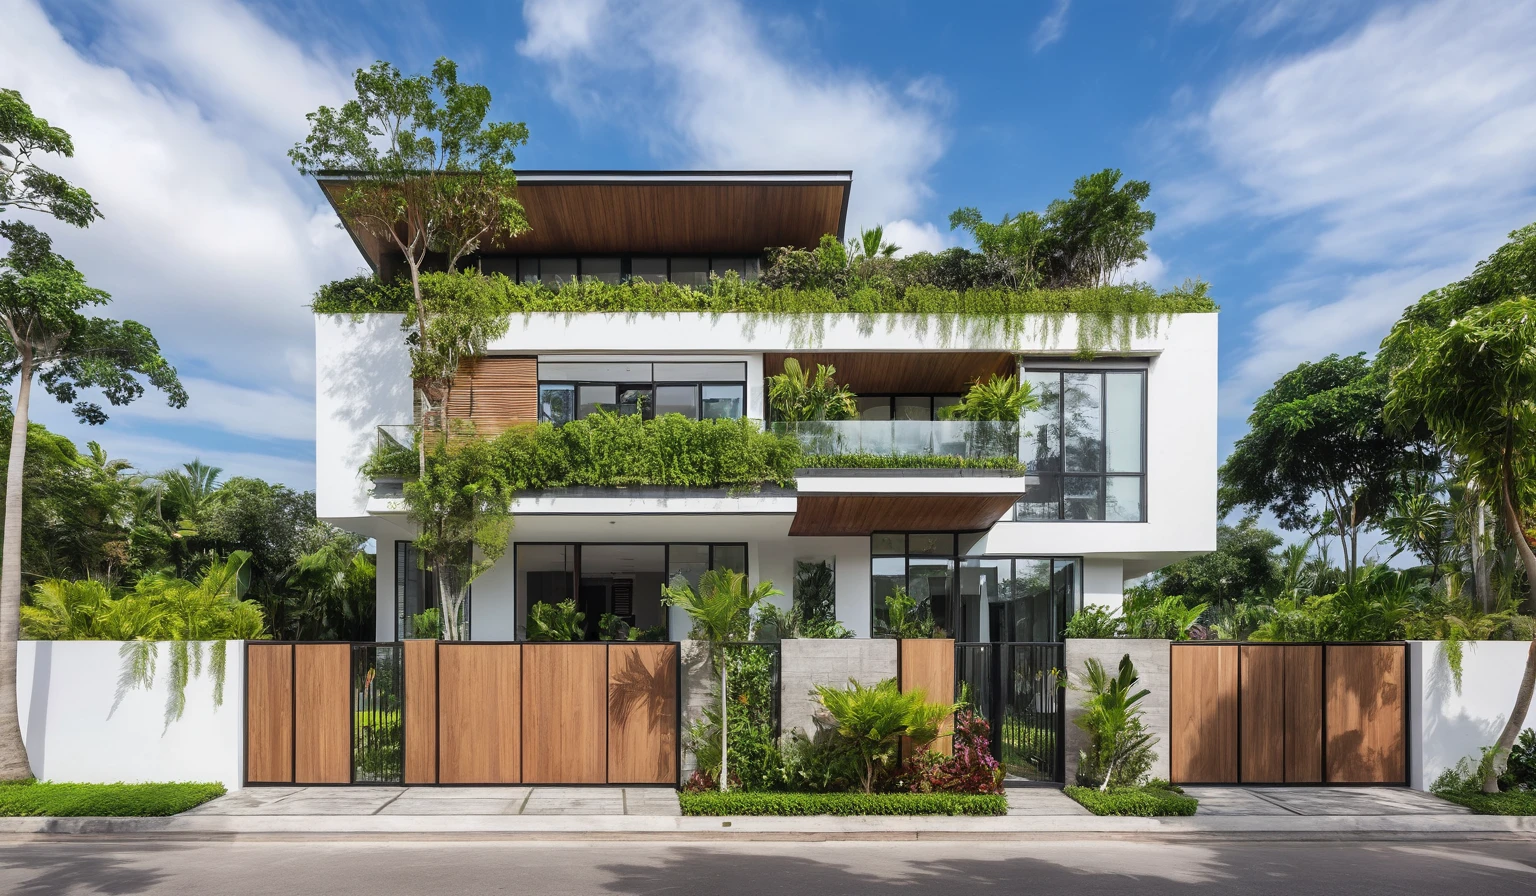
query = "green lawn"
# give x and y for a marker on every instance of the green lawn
(1510, 802)
(45, 798)
(740, 803)
(1145, 802)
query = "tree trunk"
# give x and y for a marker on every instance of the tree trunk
(725, 706)
(421, 335)
(1516, 721)
(14, 765)
(1482, 582)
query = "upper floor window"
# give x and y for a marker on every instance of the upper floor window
(697, 390)
(688, 271)
(904, 407)
(1084, 447)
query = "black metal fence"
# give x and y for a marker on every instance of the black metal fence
(1019, 689)
(378, 705)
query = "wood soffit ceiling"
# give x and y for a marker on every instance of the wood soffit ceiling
(875, 373)
(659, 217)
(867, 514)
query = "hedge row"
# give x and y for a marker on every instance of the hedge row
(742, 803)
(1145, 802)
(42, 798)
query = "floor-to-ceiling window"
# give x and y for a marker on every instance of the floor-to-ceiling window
(699, 390)
(972, 598)
(415, 593)
(1084, 446)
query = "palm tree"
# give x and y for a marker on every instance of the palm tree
(871, 243)
(720, 609)
(797, 397)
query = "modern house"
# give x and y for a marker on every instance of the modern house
(1120, 457)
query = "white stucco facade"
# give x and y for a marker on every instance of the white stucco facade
(80, 724)
(1447, 724)
(362, 383)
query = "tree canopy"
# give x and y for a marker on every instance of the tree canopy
(26, 185)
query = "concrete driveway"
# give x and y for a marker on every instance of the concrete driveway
(363, 800)
(1332, 801)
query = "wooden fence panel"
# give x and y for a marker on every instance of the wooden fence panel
(929, 664)
(642, 714)
(269, 713)
(565, 713)
(1263, 699)
(322, 726)
(420, 712)
(1303, 713)
(479, 724)
(1203, 709)
(1365, 737)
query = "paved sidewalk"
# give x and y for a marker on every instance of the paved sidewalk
(1320, 801)
(430, 801)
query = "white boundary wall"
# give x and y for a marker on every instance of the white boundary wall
(78, 730)
(1444, 726)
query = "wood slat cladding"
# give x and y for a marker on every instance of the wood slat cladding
(642, 714)
(1203, 714)
(865, 514)
(565, 713)
(420, 712)
(322, 728)
(479, 688)
(874, 373)
(928, 665)
(1263, 714)
(1365, 692)
(1303, 713)
(661, 218)
(269, 713)
(495, 392)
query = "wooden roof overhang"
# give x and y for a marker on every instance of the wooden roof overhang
(655, 212)
(863, 504)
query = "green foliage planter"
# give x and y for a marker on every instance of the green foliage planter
(740, 803)
(1509, 802)
(46, 799)
(1144, 802)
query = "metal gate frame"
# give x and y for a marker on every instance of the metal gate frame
(999, 684)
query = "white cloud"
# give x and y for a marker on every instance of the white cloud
(1151, 269)
(918, 236)
(1052, 27)
(1400, 150)
(181, 115)
(1260, 17)
(715, 93)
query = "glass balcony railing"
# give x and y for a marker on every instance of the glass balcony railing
(974, 440)
(394, 451)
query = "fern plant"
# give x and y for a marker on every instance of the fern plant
(797, 396)
(905, 619)
(1119, 750)
(556, 622)
(872, 721)
(1003, 398)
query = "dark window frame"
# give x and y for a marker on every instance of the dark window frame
(1103, 475)
(648, 413)
(626, 268)
(403, 550)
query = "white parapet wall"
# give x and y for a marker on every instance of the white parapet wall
(1446, 725)
(83, 722)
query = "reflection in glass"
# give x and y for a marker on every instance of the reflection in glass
(913, 407)
(687, 563)
(933, 544)
(555, 271)
(690, 271)
(605, 270)
(1122, 404)
(1081, 497)
(888, 574)
(651, 270)
(557, 404)
(1040, 441)
(1084, 422)
(677, 400)
(929, 583)
(596, 398)
(1042, 499)
(1122, 498)
(730, 556)
(888, 543)
(877, 408)
(723, 402)
(634, 401)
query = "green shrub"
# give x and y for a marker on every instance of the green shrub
(1093, 622)
(903, 618)
(427, 625)
(1509, 802)
(556, 622)
(874, 720)
(1520, 771)
(43, 798)
(1119, 750)
(908, 462)
(1145, 802)
(739, 803)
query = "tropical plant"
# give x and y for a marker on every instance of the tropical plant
(873, 721)
(1093, 621)
(796, 397)
(1471, 381)
(44, 334)
(556, 622)
(721, 610)
(970, 767)
(427, 625)
(24, 185)
(905, 619)
(871, 243)
(814, 595)
(1147, 614)
(428, 176)
(1119, 750)
(332, 593)
(1001, 398)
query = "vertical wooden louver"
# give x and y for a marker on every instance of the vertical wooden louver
(495, 392)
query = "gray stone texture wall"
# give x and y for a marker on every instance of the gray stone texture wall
(808, 662)
(698, 677)
(1151, 658)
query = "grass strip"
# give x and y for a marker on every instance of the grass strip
(1143, 802)
(741, 803)
(44, 798)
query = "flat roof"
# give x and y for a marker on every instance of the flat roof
(656, 212)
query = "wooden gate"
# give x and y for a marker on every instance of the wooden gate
(1289, 713)
(470, 713)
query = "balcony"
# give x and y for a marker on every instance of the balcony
(964, 439)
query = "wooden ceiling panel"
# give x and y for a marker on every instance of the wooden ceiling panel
(874, 373)
(867, 514)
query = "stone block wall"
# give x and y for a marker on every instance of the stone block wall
(1152, 664)
(808, 662)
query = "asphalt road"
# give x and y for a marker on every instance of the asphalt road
(1080, 868)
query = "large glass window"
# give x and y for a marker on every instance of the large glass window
(416, 592)
(723, 402)
(972, 599)
(1089, 426)
(690, 388)
(557, 403)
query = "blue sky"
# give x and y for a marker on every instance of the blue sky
(1320, 164)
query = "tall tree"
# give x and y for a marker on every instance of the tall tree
(44, 335)
(26, 185)
(426, 175)
(1473, 382)
(1317, 437)
(1022, 240)
(1100, 228)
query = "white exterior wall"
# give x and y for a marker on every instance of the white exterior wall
(79, 727)
(1446, 726)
